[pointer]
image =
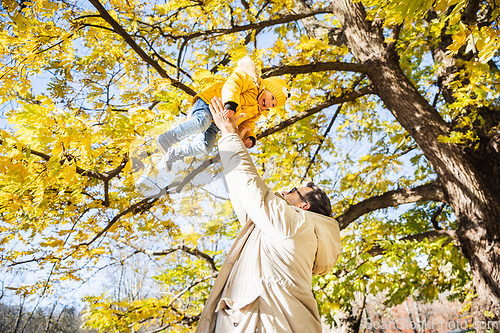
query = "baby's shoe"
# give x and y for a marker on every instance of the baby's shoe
(170, 158)
(167, 164)
(165, 141)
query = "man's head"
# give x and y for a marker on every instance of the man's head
(311, 198)
(275, 94)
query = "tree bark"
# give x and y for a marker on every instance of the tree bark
(471, 192)
(316, 28)
(414, 325)
(350, 322)
(428, 192)
(19, 315)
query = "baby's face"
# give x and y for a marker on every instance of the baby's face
(267, 100)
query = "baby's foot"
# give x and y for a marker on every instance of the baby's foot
(165, 141)
(167, 163)
(173, 155)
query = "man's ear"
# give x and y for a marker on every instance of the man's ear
(306, 206)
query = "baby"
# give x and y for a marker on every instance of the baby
(243, 92)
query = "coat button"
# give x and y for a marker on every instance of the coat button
(235, 324)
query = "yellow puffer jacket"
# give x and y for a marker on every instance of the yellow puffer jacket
(242, 89)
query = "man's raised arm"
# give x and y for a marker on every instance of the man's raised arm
(245, 185)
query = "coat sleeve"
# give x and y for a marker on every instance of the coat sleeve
(250, 123)
(237, 83)
(270, 213)
(238, 208)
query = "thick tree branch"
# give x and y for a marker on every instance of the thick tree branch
(140, 206)
(251, 26)
(142, 54)
(105, 176)
(189, 250)
(429, 192)
(321, 106)
(318, 29)
(391, 46)
(89, 25)
(469, 15)
(316, 67)
(113, 173)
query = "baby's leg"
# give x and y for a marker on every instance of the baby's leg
(199, 144)
(199, 121)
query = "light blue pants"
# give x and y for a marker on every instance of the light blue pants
(196, 135)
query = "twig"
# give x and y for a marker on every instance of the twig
(311, 162)
(195, 282)
(315, 67)
(435, 216)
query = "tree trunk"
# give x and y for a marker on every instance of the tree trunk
(19, 315)
(350, 322)
(347, 322)
(414, 323)
(473, 194)
(417, 316)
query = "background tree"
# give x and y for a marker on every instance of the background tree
(16, 319)
(394, 102)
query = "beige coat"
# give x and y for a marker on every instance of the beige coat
(264, 284)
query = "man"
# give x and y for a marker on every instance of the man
(264, 284)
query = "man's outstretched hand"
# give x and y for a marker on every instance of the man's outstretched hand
(224, 123)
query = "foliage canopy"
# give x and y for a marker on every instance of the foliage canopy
(82, 81)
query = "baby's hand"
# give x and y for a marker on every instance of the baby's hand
(228, 113)
(248, 143)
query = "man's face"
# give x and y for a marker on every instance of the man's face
(294, 198)
(267, 100)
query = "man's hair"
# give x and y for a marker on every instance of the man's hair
(318, 200)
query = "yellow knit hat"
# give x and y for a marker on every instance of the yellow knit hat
(278, 87)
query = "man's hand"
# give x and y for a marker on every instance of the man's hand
(248, 143)
(228, 113)
(225, 124)
(242, 131)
